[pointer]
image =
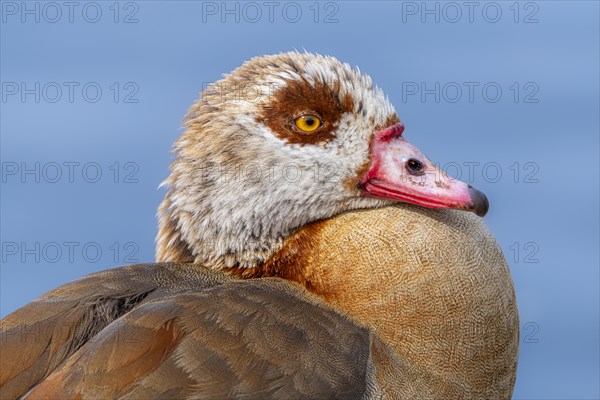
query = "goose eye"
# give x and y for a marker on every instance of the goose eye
(308, 123)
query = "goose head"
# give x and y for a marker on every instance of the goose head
(282, 141)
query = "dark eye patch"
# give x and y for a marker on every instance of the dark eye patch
(299, 97)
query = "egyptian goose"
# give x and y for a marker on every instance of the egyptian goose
(267, 285)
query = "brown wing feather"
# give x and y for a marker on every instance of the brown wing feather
(41, 335)
(226, 338)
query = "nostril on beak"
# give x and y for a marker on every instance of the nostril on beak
(415, 167)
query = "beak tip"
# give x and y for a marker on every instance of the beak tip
(480, 202)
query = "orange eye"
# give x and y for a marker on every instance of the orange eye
(308, 123)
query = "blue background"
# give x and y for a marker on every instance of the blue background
(550, 212)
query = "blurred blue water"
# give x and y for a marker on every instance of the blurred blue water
(545, 217)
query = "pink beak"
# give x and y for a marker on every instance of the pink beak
(400, 171)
